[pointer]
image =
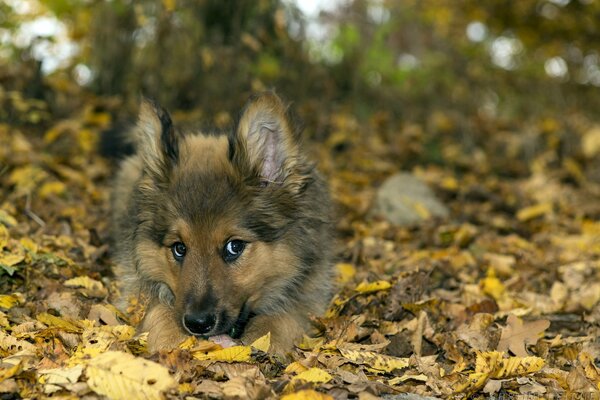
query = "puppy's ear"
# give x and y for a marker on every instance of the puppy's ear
(264, 138)
(157, 139)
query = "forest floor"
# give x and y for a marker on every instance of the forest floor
(499, 299)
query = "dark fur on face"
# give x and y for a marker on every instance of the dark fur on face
(251, 190)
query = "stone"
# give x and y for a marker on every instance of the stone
(405, 200)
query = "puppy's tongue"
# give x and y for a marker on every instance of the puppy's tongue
(223, 340)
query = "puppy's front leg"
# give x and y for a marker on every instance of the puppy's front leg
(164, 332)
(285, 330)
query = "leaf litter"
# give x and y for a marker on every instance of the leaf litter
(502, 297)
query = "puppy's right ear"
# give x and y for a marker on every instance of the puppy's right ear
(157, 139)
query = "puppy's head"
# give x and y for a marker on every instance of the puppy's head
(213, 213)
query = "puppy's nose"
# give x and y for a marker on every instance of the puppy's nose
(199, 323)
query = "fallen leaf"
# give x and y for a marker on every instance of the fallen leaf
(345, 272)
(89, 287)
(230, 354)
(295, 368)
(376, 361)
(517, 335)
(59, 378)
(314, 375)
(365, 287)
(56, 322)
(493, 365)
(8, 301)
(492, 286)
(118, 375)
(535, 211)
(263, 343)
(307, 394)
(10, 371)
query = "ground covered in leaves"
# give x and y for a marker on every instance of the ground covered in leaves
(500, 298)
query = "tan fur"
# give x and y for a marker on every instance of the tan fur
(253, 186)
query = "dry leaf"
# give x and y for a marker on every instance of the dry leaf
(345, 272)
(376, 361)
(118, 375)
(8, 301)
(517, 335)
(538, 210)
(314, 375)
(307, 394)
(56, 322)
(365, 287)
(230, 354)
(59, 378)
(263, 343)
(88, 287)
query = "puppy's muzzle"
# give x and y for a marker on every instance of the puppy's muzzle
(199, 322)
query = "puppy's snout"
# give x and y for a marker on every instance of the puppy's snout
(199, 323)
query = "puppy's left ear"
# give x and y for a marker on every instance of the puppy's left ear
(157, 139)
(265, 139)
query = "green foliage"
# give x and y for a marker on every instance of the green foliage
(445, 65)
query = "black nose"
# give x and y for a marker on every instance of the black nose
(199, 323)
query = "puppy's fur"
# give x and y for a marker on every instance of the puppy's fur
(252, 187)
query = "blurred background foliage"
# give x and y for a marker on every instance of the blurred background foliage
(460, 80)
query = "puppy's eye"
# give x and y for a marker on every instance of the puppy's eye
(233, 249)
(178, 249)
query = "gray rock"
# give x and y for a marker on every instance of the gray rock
(405, 200)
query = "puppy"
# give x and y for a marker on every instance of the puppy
(225, 234)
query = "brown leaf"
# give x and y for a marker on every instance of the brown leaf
(517, 335)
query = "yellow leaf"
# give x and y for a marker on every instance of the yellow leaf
(100, 119)
(188, 343)
(186, 388)
(118, 375)
(123, 332)
(230, 354)
(58, 378)
(83, 354)
(376, 286)
(93, 288)
(493, 365)
(314, 375)
(307, 394)
(55, 188)
(4, 236)
(590, 143)
(262, 343)
(492, 286)
(449, 183)
(9, 372)
(26, 178)
(375, 361)
(311, 343)
(399, 379)
(8, 301)
(538, 210)
(10, 259)
(29, 245)
(57, 322)
(337, 305)
(295, 368)
(169, 5)
(516, 366)
(3, 320)
(345, 272)
(7, 219)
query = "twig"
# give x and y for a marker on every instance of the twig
(30, 213)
